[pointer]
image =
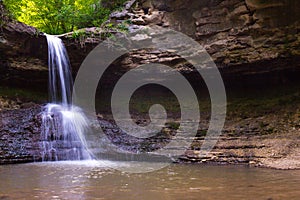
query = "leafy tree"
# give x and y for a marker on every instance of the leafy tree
(60, 16)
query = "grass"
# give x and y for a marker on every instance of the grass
(173, 125)
(283, 101)
(141, 102)
(24, 95)
(260, 111)
(259, 103)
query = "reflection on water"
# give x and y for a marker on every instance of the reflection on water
(96, 180)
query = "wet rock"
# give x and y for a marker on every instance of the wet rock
(20, 135)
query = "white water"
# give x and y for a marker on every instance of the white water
(63, 125)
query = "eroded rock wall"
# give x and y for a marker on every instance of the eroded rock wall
(244, 37)
(232, 31)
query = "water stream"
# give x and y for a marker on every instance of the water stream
(63, 125)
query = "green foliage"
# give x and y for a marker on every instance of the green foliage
(61, 16)
(119, 27)
(173, 125)
(4, 15)
(22, 94)
(113, 4)
(78, 33)
(122, 27)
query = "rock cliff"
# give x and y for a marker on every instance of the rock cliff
(253, 42)
(23, 53)
(244, 37)
(249, 40)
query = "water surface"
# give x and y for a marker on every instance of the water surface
(97, 180)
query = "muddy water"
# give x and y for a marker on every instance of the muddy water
(97, 180)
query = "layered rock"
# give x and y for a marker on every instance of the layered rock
(233, 31)
(23, 54)
(253, 42)
(20, 135)
(242, 142)
(244, 37)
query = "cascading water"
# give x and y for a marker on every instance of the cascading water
(60, 78)
(63, 125)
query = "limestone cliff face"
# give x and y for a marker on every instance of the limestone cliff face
(233, 31)
(244, 37)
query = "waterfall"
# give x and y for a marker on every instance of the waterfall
(63, 125)
(60, 78)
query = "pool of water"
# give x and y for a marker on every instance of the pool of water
(97, 180)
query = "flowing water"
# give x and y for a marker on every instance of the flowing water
(63, 125)
(60, 77)
(76, 180)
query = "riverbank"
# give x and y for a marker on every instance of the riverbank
(274, 152)
(257, 54)
(260, 131)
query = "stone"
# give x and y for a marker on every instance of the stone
(20, 125)
(155, 17)
(120, 15)
(138, 21)
(140, 37)
(252, 163)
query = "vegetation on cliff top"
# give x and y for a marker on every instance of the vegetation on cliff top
(61, 16)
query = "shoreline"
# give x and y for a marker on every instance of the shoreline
(259, 132)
